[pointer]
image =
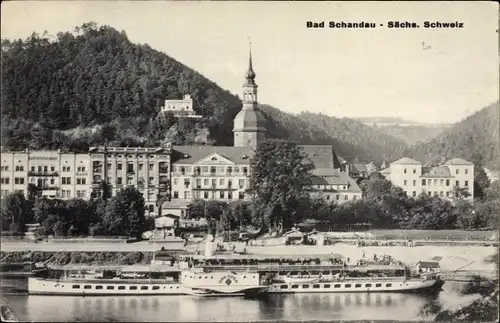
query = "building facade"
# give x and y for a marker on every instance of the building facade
(53, 174)
(440, 180)
(180, 108)
(147, 169)
(211, 173)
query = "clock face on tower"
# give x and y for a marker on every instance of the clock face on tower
(249, 135)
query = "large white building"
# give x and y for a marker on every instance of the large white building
(147, 169)
(441, 180)
(54, 174)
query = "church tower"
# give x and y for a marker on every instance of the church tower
(249, 124)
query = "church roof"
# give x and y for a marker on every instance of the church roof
(249, 119)
(458, 161)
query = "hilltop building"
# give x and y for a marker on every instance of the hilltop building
(180, 108)
(440, 180)
(171, 175)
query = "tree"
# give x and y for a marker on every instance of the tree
(481, 182)
(125, 213)
(280, 176)
(242, 213)
(375, 187)
(460, 193)
(15, 213)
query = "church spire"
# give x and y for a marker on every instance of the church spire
(250, 74)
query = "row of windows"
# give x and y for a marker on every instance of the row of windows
(337, 197)
(208, 195)
(338, 187)
(466, 171)
(20, 168)
(163, 167)
(305, 286)
(111, 287)
(435, 193)
(211, 277)
(209, 169)
(213, 182)
(429, 182)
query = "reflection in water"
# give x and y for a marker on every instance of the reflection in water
(288, 307)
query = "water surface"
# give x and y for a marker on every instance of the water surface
(291, 307)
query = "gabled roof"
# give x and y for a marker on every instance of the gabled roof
(336, 178)
(176, 204)
(359, 167)
(458, 161)
(322, 156)
(438, 171)
(192, 154)
(406, 161)
(428, 264)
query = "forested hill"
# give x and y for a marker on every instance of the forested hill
(96, 76)
(475, 139)
(372, 141)
(93, 86)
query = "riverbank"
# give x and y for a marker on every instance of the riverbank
(451, 258)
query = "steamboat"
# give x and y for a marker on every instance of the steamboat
(231, 274)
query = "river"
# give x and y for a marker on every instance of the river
(292, 307)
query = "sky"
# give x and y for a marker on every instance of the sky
(424, 75)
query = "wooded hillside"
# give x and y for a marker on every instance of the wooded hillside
(475, 139)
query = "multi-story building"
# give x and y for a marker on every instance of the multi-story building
(205, 172)
(147, 169)
(180, 108)
(334, 186)
(441, 180)
(53, 174)
(86, 175)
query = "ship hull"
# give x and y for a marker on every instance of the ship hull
(37, 286)
(368, 286)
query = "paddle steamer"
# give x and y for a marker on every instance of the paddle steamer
(235, 274)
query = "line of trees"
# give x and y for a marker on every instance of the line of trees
(121, 215)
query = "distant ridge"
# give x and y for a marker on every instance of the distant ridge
(475, 139)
